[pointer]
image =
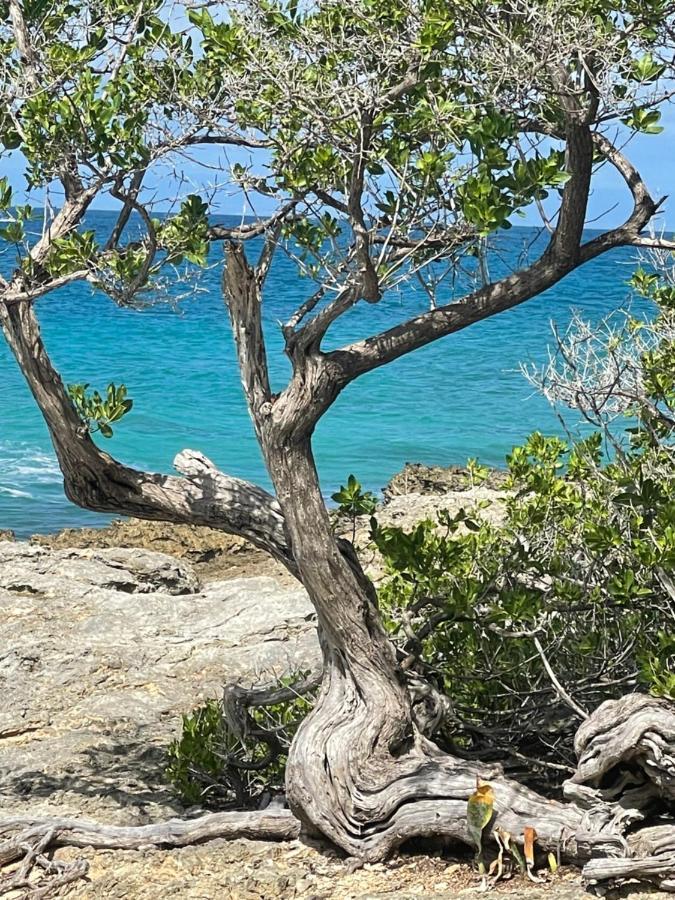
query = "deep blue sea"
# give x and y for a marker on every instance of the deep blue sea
(463, 396)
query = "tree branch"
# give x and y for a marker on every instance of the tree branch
(241, 290)
(129, 198)
(564, 253)
(559, 689)
(253, 229)
(23, 43)
(653, 243)
(96, 481)
(231, 139)
(68, 218)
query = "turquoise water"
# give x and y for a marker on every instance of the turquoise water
(461, 397)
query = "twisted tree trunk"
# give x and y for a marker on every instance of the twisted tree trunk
(360, 772)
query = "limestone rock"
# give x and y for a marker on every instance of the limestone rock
(103, 650)
(417, 478)
(254, 870)
(213, 553)
(35, 569)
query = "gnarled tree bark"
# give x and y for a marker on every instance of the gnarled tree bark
(360, 772)
(422, 791)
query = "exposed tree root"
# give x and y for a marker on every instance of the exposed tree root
(619, 819)
(268, 824)
(624, 780)
(29, 846)
(635, 729)
(36, 835)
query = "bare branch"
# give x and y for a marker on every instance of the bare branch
(241, 288)
(228, 138)
(95, 480)
(129, 199)
(653, 243)
(560, 690)
(23, 43)
(250, 230)
(267, 253)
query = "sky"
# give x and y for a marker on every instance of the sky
(654, 157)
(609, 205)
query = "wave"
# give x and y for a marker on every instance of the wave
(24, 464)
(14, 492)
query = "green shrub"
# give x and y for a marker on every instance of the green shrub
(210, 765)
(572, 579)
(571, 599)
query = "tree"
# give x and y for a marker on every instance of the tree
(392, 139)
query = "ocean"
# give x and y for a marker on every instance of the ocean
(463, 396)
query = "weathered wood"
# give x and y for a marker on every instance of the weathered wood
(268, 824)
(373, 803)
(38, 835)
(30, 847)
(634, 729)
(94, 480)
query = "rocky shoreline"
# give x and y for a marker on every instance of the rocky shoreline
(416, 492)
(115, 632)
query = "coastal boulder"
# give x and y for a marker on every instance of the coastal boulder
(36, 569)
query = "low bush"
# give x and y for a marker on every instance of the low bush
(214, 763)
(528, 624)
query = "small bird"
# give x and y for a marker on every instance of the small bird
(478, 813)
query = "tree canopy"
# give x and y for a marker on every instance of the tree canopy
(380, 144)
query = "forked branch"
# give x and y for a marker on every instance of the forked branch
(564, 253)
(96, 481)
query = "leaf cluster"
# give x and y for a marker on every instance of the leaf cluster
(97, 412)
(210, 765)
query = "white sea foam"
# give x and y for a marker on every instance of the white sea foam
(13, 492)
(23, 465)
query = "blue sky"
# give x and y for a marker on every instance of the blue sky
(654, 157)
(610, 201)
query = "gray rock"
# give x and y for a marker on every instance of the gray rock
(35, 569)
(101, 651)
(418, 478)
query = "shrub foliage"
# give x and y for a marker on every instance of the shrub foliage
(532, 622)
